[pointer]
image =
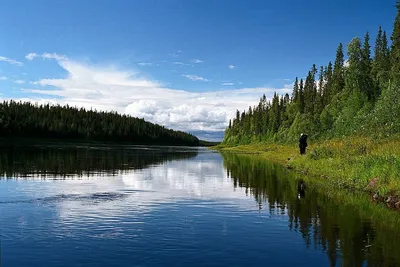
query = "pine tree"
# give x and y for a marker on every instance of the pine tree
(327, 92)
(381, 63)
(301, 96)
(385, 56)
(353, 75)
(295, 95)
(395, 54)
(366, 85)
(377, 63)
(310, 91)
(275, 114)
(338, 71)
(319, 99)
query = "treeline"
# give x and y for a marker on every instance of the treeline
(360, 95)
(19, 119)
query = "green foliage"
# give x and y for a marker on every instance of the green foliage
(387, 112)
(395, 53)
(357, 96)
(19, 119)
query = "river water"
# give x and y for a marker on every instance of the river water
(65, 205)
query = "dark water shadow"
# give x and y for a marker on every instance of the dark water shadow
(67, 161)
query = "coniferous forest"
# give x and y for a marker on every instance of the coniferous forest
(357, 94)
(27, 120)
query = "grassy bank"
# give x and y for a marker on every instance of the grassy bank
(350, 163)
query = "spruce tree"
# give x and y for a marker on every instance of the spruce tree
(377, 62)
(319, 99)
(353, 74)
(386, 63)
(366, 85)
(395, 54)
(295, 95)
(338, 71)
(310, 91)
(301, 96)
(327, 92)
(381, 63)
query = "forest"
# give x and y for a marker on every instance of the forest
(27, 120)
(356, 95)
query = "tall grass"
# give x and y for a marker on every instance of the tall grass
(351, 162)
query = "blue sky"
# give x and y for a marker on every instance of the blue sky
(160, 59)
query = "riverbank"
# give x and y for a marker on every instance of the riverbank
(356, 163)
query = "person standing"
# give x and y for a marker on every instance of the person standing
(303, 144)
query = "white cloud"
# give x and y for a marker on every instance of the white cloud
(137, 191)
(108, 88)
(346, 63)
(31, 56)
(11, 61)
(176, 54)
(19, 81)
(55, 56)
(227, 84)
(145, 64)
(3, 78)
(195, 78)
(231, 67)
(180, 63)
(196, 61)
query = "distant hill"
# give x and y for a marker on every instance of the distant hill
(18, 119)
(208, 143)
(210, 136)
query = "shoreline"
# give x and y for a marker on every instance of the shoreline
(354, 163)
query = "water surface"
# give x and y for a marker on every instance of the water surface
(64, 205)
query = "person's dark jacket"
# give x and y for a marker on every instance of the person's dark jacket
(303, 141)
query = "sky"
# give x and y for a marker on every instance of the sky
(185, 64)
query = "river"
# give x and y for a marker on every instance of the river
(87, 205)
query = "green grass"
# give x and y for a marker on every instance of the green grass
(342, 163)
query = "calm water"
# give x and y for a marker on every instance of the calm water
(151, 206)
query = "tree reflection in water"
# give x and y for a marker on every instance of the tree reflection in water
(348, 227)
(63, 161)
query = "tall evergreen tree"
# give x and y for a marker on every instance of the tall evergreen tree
(310, 91)
(377, 63)
(381, 63)
(301, 96)
(295, 95)
(395, 54)
(237, 116)
(366, 69)
(319, 99)
(386, 63)
(338, 71)
(353, 75)
(275, 113)
(327, 92)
